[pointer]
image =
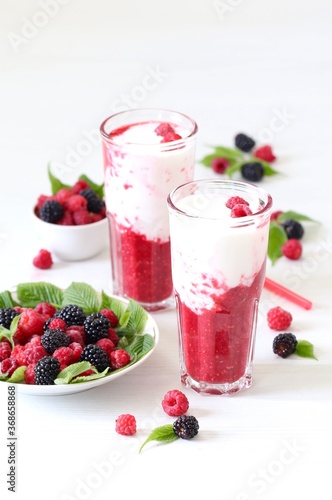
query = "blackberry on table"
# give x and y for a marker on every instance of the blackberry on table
(7, 315)
(186, 427)
(71, 314)
(252, 171)
(244, 142)
(51, 211)
(95, 203)
(46, 370)
(96, 356)
(284, 344)
(96, 327)
(52, 339)
(293, 228)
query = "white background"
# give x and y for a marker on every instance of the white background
(234, 66)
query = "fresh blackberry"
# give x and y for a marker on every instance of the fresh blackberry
(46, 370)
(95, 204)
(53, 339)
(244, 142)
(96, 356)
(6, 316)
(294, 229)
(252, 171)
(47, 322)
(186, 427)
(96, 327)
(51, 211)
(284, 344)
(71, 314)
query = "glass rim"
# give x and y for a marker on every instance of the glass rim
(245, 220)
(166, 145)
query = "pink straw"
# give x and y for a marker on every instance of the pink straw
(288, 294)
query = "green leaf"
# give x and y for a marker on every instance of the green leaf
(141, 345)
(233, 169)
(97, 188)
(294, 215)
(18, 375)
(93, 376)
(138, 316)
(113, 304)
(163, 434)
(82, 295)
(305, 349)
(277, 237)
(30, 294)
(9, 334)
(229, 153)
(67, 374)
(6, 300)
(56, 184)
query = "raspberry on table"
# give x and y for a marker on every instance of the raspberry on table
(51, 211)
(220, 165)
(293, 228)
(252, 171)
(278, 318)
(43, 260)
(96, 356)
(265, 153)
(240, 210)
(186, 427)
(46, 370)
(244, 142)
(235, 200)
(284, 344)
(119, 358)
(125, 424)
(175, 403)
(292, 249)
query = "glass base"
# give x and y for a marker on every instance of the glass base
(168, 303)
(206, 388)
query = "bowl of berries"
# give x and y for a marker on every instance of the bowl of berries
(71, 222)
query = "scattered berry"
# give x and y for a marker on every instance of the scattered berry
(292, 249)
(96, 327)
(186, 427)
(279, 319)
(96, 356)
(46, 370)
(235, 200)
(220, 165)
(51, 211)
(244, 142)
(53, 339)
(265, 153)
(125, 424)
(284, 344)
(252, 171)
(43, 260)
(293, 228)
(175, 403)
(119, 358)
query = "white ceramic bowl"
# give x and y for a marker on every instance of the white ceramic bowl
(71, 243)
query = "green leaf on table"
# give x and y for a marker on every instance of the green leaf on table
(56, 184)
(305, 349)
(140, 345)
(163, 434)
(6, 300)
(277, 237)
(30, 294)
(82, 295)
(18, 375)
(229, 153)
(97, 188)
(290, 214)
(232, 169)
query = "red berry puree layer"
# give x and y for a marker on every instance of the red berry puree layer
(217, 342)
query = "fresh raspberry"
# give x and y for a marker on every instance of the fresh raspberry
(8, 366)
(119, 358)
(96, 217)
(63, 194)
(81, 217)
(240, 210)
(163, 129)
(171, 136)
(42, 199)
(265, 153)
(125, 424)
(45, 308)
(29, 374)
(76, 349)
(19, 354)
(66, 219)
(220, 165)
(175, 403)
(43, 260)
(34, 340)
(5, 350)
(76, 336)
(19, 309)
(235, 200)
(113, 336)
(107, 345)
(64, 356)
(76, 202)
(21, 338)
(111, 316)
(79, 186)
(279, 319)
(275, 215)
(33, 353)
(31, 322)
(292, 249)
(57, 324)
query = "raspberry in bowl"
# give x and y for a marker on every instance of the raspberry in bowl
(71, 223)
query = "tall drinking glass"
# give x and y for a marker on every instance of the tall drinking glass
(147, 153)
(218, 263)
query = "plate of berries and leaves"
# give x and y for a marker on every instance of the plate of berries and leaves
(56, 341)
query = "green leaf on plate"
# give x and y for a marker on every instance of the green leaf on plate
(82, 295)
(67, 374)
(8, 334)
(30, 294)
(6, 300)
(113, 304)
(305, 349)
(18, 375)
(163, 434)
(88, 378)
(290, 214)
(97, 188)
(56, 184)
(277, 237)
(141, 345)
(138, 316)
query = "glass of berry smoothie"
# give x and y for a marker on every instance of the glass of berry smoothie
(219, 236)
(147, 153)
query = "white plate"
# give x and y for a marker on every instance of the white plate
(61, 390)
